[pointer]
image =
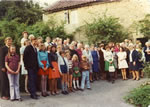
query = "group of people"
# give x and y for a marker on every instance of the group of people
(75, 63)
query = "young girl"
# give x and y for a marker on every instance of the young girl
(64, 70)
(54, 73)
(23, 70)
(12, 63)
(43, 68)
(70, 72)
(122, 63)
(76, 72)
(109, 64)
(85, 68)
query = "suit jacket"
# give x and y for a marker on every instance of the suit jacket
(3, 53)
(135, 57)
(30, 58)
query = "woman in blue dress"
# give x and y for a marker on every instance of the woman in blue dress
(95, 65)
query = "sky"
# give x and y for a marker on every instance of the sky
(42, 2)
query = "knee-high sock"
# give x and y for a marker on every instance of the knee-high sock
(74, 84)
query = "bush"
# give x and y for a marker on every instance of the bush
(146, 69)
(140, 97)
(14, 29)
(48, 29)
(107, 29)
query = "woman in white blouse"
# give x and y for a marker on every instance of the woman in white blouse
(109, 64)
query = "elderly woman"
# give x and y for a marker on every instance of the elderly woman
(134, 62)
(147, 51)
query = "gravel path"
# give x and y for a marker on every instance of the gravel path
(103, 94)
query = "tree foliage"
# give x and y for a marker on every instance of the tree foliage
(144, 25)
(25, 12)
(16, 17)
(105, 29)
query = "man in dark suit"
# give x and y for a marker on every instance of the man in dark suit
(31, 64)
(3, 72)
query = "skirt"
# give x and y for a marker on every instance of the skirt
(76, 75)
(41, 71)
(123, 64)
(133, 68)
(23, 70)
(107, 64)
(54, 74)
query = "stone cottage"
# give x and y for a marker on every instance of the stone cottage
(76, 12)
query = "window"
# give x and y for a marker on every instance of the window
(73, 17)
(67, 17)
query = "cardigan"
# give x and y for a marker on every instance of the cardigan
(61, 62)
(43, 56)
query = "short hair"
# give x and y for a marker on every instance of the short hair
(62, 52)
(47, 38)
(86, 46)
(107, 47)
(33, 38)
(123, 49)
(8, 38)
(131, 45)
(24, 32)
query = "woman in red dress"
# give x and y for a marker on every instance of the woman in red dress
(54, 73)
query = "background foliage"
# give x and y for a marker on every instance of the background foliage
(146, 69)
(144, 26)
(107, 29)
(16, 17)
(25, 12)
(140, 97)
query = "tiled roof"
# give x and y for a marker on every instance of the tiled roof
(67, 4)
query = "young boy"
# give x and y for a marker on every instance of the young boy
(85, 69)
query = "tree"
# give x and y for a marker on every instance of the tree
(25, 12)
(13, 29)
(106, 29)
(144, 26)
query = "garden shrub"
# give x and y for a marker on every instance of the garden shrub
(140, 97)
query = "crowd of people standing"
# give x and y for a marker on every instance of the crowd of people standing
(73, 63)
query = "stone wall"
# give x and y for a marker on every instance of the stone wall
(127, 11)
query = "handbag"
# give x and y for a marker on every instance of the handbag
(111, 68)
